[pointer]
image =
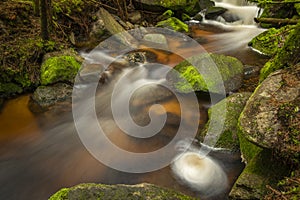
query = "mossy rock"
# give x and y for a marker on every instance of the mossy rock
(118, 192)
(262, 170)
(270, 41)
(59, 69)
(229, 74)
(174, 24)
(271, 116)
(234, 105)
(287, 56)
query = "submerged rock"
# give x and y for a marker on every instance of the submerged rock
(234, 105)
(59, 69)
(271, 118)
(229, 74)
(118, 192)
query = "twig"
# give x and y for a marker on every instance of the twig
(276, 192)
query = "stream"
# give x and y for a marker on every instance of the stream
(41, 153)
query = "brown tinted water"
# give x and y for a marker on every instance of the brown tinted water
(40, 154)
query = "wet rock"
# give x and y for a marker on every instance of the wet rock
(59, 69)
(271, 40)
(229, 108)
(214, 12)
(46, 96)
(173, 23)
(156, 40)
(228, 76)
(118, 192)
(271, 118)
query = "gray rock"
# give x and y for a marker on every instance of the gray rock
(118, 192)
(156, 40)
(271, 118)
(46, 96)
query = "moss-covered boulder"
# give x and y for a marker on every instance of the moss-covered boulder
(59, 69)
(286, 56)
(262, 170)
(174, 24)
(271, 118)
(228, 75)
(118, 192)
(234, 105)
(271, 40)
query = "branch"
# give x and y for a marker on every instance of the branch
(276, 21)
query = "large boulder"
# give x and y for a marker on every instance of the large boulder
(118, 192)
(271, 118)
(229, 74)
(234, 105)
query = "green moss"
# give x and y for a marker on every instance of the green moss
(174, 24)
(118, 192)
(271, 40)
(191, 80)
(59, 69)
(10, 89)
(287, 56)
(185, 17)
(297, 7)
(62, 194)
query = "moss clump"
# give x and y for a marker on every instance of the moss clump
(118, 192)
(229, 73)
(59, 69)
(9, 89)
(174, 24)
(271, 40)
(287, 56)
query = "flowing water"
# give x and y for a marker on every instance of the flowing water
(41, 153)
